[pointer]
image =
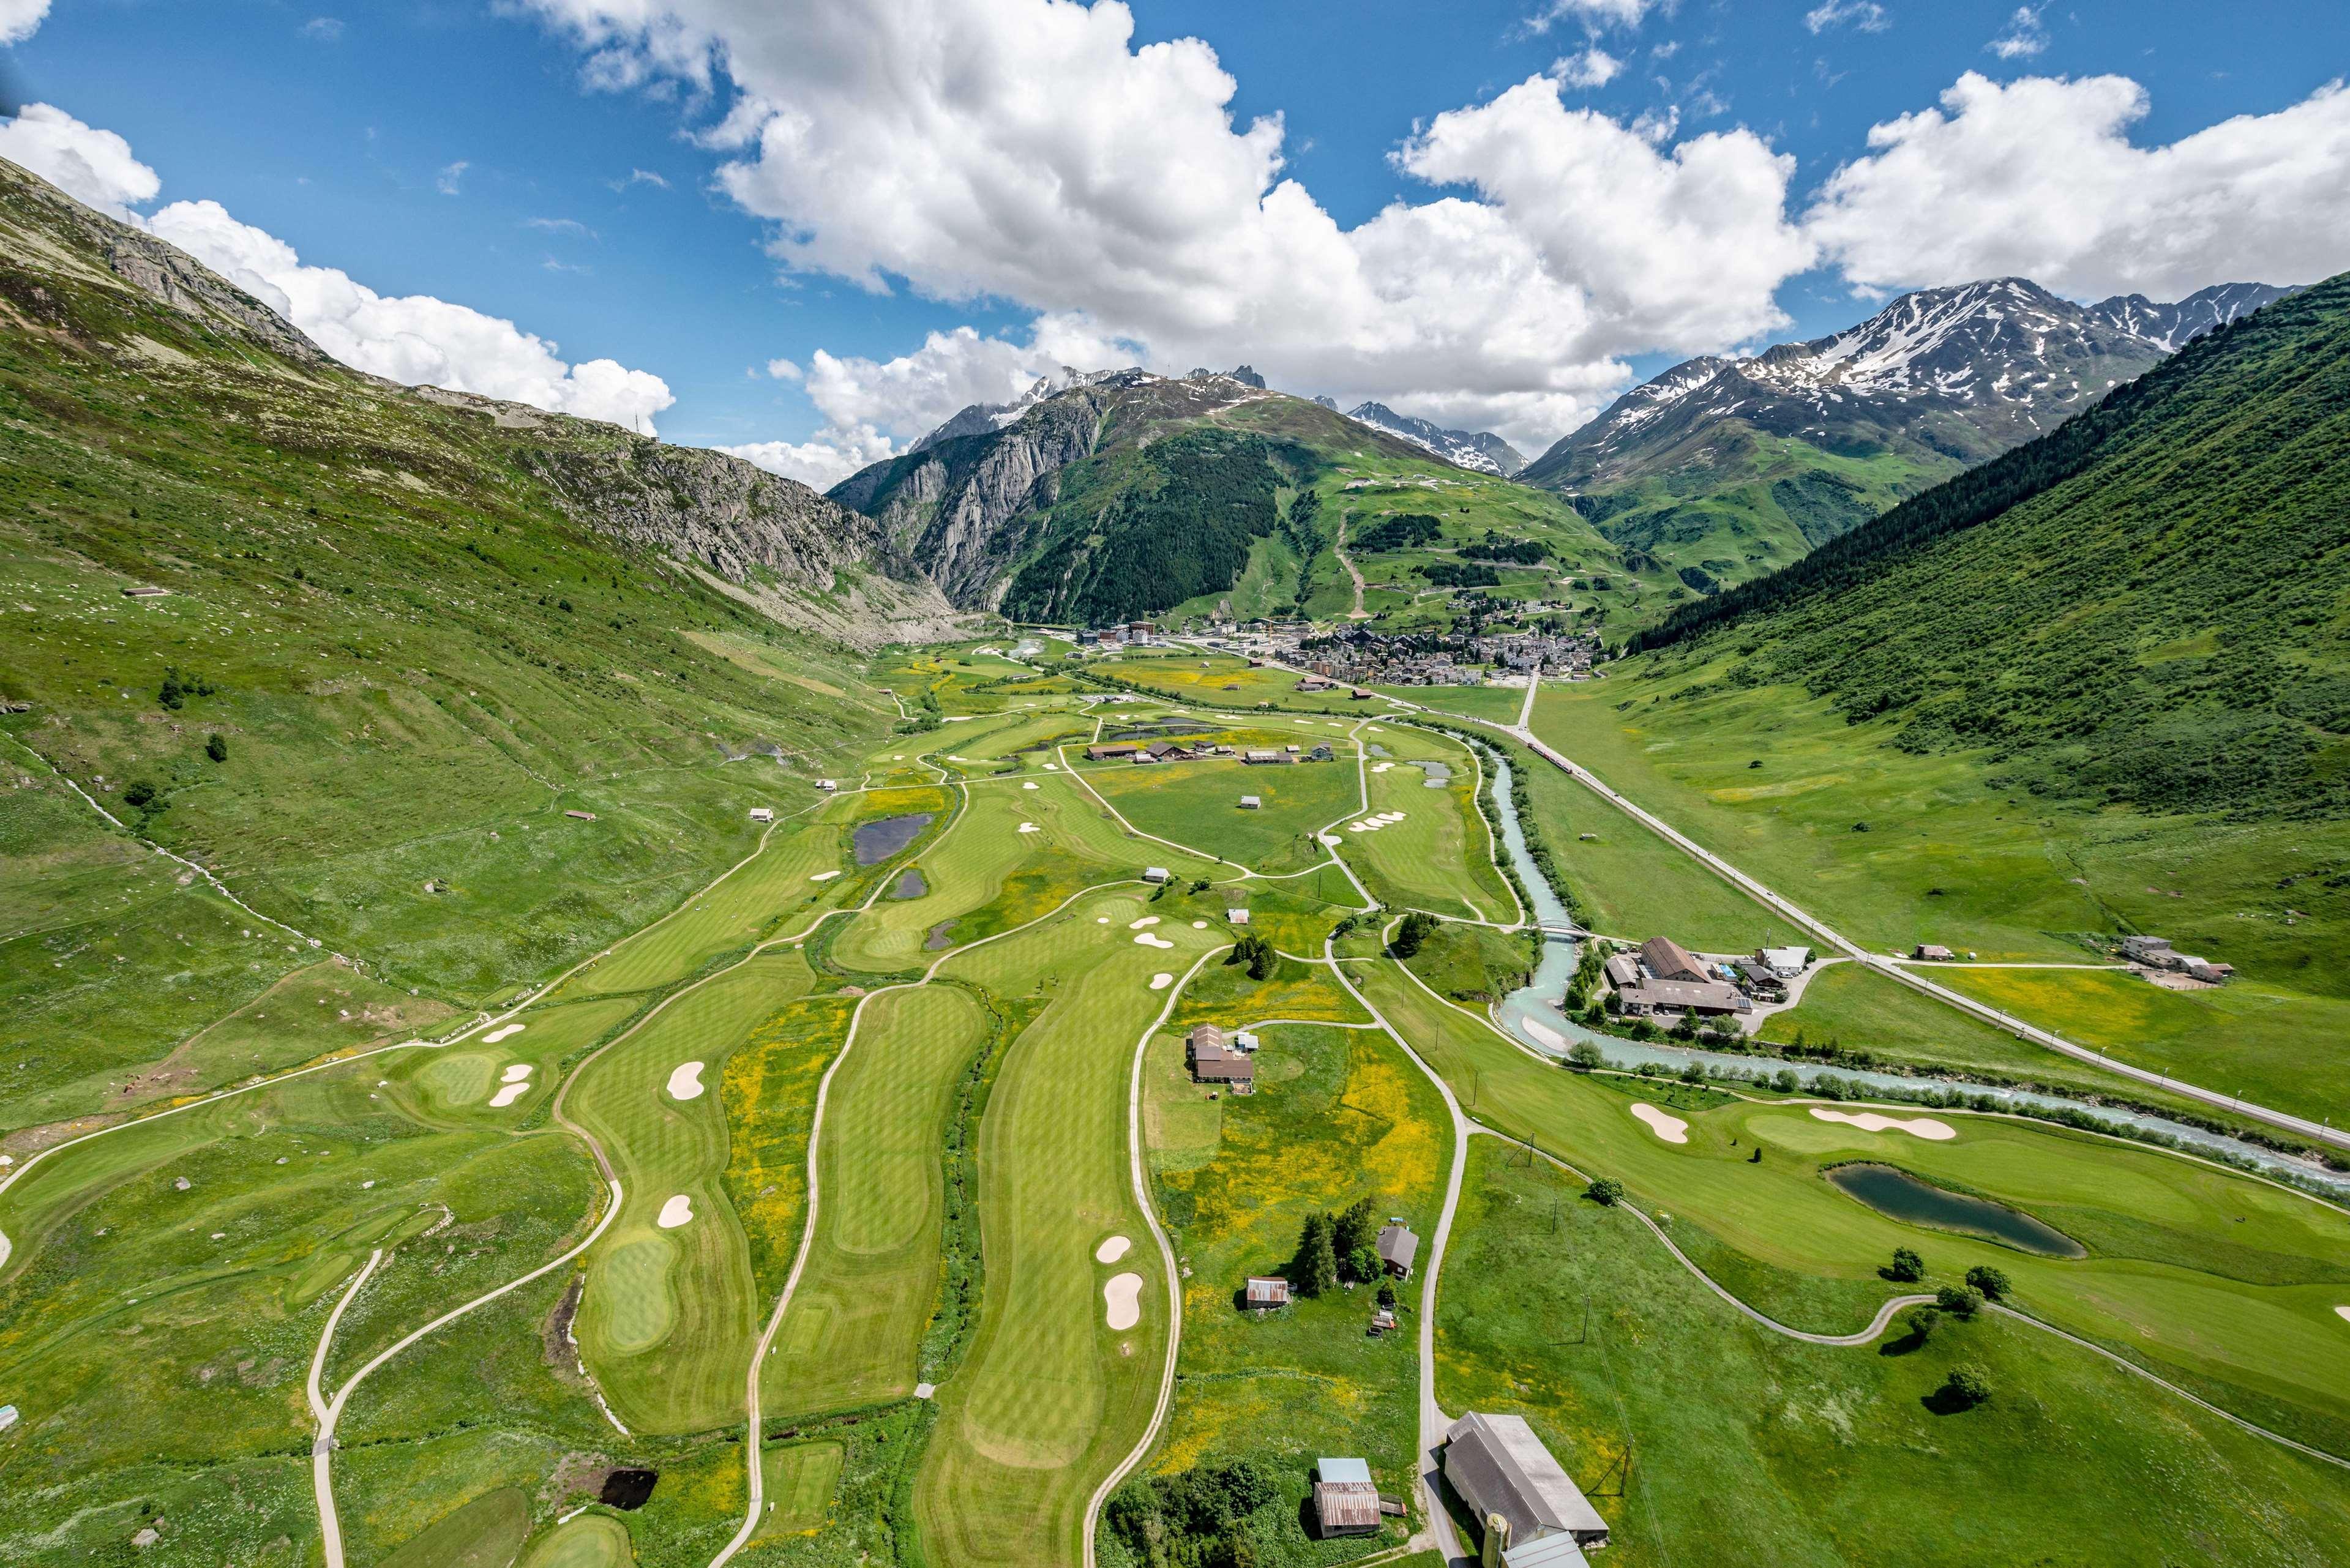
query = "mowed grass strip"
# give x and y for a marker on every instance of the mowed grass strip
(866, 1291)
(666, 1325)
(1703, 1437)
(1440, 856)
(1049, 1397)
(743, 909)
(1196, 803)
(2227, 1287)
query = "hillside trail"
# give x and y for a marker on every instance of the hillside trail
(1338, 548)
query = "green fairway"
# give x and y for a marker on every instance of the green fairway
(750, 904)
(2211, 1277)
(667, 1322)
(1439, 856)
(590, 1540)
(1702, 1436)
(1196, 805)
(1049, 1397)
(867, 1284)
(1338, 1115)
(1498, 703)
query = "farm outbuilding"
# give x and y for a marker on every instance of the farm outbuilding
(1266, 1291)
(1398, 1247)
(1346, 1501)
(1519, 1493)
(1251, 803)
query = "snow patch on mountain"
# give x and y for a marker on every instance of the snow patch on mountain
(1481, 451)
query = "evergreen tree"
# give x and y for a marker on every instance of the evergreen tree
(1316, 1268)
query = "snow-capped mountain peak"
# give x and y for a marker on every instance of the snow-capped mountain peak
(1480, 450)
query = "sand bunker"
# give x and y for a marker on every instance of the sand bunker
(1161, 981)
(1029, 827)
(1332, 840)
(2342, 1312)
(1111, 1250)
(1669, 1127)
(1869, 1121)
(1389, 816)
(1029, 783)
(1138, 925)
(677, 1211)
(685, 1081)
(494, 1036)
(1199, 925)
(824, 876)
(1382, 768)
(1147, 940)
(516, 1080)
(1124, 1295)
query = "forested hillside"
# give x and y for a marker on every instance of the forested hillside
(2146, 606)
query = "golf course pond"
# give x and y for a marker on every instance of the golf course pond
(1900, 1196)
(885, 836)
(910, 884)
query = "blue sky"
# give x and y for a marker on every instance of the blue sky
(481, 154)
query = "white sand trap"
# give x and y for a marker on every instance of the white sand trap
(1381, 767)
(1390, 816)
(677, 1211)
(1030, 827)
(1111, 1250)
(1331, 840)
(685, 1081)
(494, 1036)
(1028, 784)
(1146, 921)
(1148, 940)
(1123, 1294)
(517, 1073)
(824, 876)
(1199, 925)
(1161, 981)
(1869, 1121)
(508, 1095)
(1669, 1127)
(2342, 1312)
(1052, 767)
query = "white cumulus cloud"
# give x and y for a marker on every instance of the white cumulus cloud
(413, 338)
(1595, 12)
(1594, 66)
(1866, 14)
(2038, 178)
(902, 143)
(821, 462)
(20, 19)
(94, 167)
(2025, 37)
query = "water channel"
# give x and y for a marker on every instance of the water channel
(1533, 1017)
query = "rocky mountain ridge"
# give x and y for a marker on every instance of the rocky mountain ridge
(1482, 451)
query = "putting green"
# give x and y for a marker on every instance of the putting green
(1049, 1397)
(867, 1288)
(2197, 1270)
(590, 1540)
(685, 1375)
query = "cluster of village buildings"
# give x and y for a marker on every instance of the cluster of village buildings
(1383, 659)
(1177, 751)
(1528, 1510)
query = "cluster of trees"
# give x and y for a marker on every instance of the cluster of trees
(1446, 575)
(1405, 531)
(1333, 1247)
(1516, 551)
(1414, 929)
(178, 685)
(1257, 954)
(1197, 1518)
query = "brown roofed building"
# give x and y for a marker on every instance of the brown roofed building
(1397, 1248)
(1214, 1062)
(1266, 1291)
(1114, 750)
(1667, 960)
(1346, 1503)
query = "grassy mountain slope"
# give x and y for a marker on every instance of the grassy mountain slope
(423, 628)
(2096, 686)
